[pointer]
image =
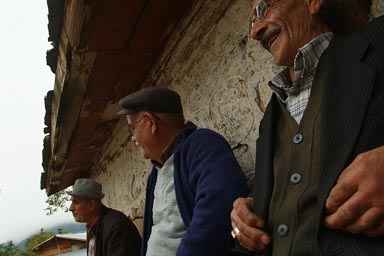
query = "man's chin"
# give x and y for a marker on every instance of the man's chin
(77, 219)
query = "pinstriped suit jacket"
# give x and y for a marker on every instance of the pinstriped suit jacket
(352, 122)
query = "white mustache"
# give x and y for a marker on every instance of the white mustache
(137, 143)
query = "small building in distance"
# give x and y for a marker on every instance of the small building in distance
(63, 244)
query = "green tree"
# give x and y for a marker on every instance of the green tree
(9, 249)
(57, 201)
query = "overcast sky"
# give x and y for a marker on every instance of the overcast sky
(24, 80)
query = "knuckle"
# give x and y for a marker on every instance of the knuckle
(235, 203)
(233, 214)
(347, 213)
(238, 202)
(365, 223)
(255, 235)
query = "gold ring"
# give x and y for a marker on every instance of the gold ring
(235, 232)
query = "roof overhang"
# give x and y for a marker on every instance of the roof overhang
(103, 52)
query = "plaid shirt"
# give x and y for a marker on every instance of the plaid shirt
(296, 95)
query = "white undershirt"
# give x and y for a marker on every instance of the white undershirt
(168, 227)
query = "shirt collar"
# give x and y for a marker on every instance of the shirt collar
(167, 153)
(308, 56)
(305, 64)
(91, 229)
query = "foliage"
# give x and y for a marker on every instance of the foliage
(57, 201)
(9, 249)
(37, 239)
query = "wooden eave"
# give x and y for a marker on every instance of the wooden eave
(104, 52)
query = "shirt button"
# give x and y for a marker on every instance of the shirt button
(295, 178)
(298, 138)
(282, 230)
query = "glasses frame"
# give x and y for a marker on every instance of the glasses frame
(258, 13)
(132, 127)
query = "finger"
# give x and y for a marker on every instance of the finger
(240, 207)
(251, 244)
(242, 211)
(243, 201)
(236, 218)
(348, 213)
(248, 225)
(259, 240)
(339, 194)
(369, 222)
(251, 232)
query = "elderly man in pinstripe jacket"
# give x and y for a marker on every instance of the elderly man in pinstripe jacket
(320, 155)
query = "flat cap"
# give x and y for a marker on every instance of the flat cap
(155, 99)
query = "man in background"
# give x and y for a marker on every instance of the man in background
(109, 232)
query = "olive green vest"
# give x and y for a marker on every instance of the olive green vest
(296, 168)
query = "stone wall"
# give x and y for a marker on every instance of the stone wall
(221, 75)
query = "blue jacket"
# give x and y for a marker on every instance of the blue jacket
(207, 180)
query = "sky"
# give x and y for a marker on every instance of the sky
(24, 81)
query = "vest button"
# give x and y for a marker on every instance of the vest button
(295, 178)
(282, 230)
(298, 138)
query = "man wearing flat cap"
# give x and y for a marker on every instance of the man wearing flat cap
(109, 232)
(194, 180)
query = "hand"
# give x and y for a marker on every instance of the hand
(356, 202)
(251, 235)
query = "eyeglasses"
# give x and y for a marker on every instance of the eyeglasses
(132, 127)
(258, 13)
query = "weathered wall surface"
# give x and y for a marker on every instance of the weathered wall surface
(221, 75)
(377, 7)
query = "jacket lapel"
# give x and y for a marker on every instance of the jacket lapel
(264, 179)
(348, 85)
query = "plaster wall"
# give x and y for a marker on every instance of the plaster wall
(221, 75)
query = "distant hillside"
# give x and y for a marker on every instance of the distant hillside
(67, 228)
(56, 229)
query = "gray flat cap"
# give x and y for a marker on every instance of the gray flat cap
(86, 188)
(155, 99)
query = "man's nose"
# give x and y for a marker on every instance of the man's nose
(257, 30)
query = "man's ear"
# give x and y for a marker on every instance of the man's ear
(314, 6)
(92, 204)
(154, 123)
